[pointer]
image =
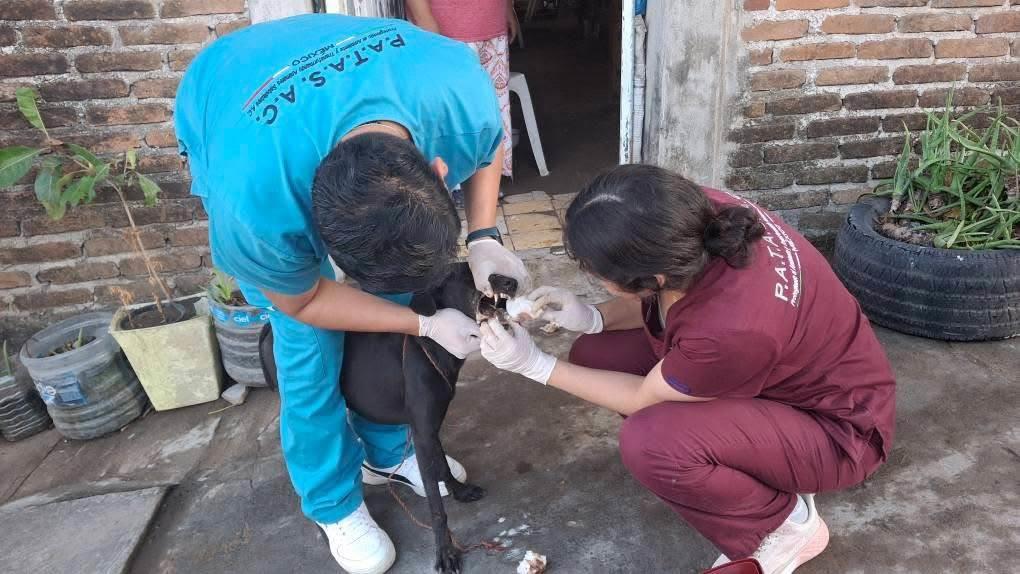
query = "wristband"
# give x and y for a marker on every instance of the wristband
(492, 232)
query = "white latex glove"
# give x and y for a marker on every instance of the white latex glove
(515, 352)
(557, 305)
(487, 256)
(452, 329)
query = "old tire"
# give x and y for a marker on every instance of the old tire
(946, 294)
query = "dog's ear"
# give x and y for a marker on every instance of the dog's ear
(423, 304)
(503, 284)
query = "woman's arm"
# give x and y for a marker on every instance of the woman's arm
(420, 14)
(621, 314)
(621, 392)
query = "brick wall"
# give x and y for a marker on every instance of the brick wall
(107, 71)
(832, 83)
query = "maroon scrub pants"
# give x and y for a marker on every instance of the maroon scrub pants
(729, 467)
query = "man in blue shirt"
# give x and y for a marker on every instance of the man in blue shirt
(324, 135)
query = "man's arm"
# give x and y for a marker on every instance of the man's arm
(339, 307)
(482, 193)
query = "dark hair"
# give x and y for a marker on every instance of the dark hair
(385, 216)
(634, 222)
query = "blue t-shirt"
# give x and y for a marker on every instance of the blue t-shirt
(259, 109)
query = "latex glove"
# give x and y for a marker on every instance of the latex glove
(567, 310)
(515, 351)
(487, 256)
(457, 333)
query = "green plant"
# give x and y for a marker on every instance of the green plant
(222, 287)
(69, 175)
(964, 192)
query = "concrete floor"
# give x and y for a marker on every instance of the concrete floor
(945, 502)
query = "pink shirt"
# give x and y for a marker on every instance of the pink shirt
(470, 20)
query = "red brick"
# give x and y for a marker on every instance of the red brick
(778, 200)
(746, 156)
(65, 37)
(159, 163)
(179, 59)
(761, 57)
(896, 123)
(810, 4)
(108, 9)
(139, 291)
(972, 48)
(81, 272)
(49, 298)
(163, 212)
(181, 8)
(964, 3)
(127, 114)
(191, 283)
(9, 228)
(820, 51)
(27, 10)
(859, 24)
(799, 152)
(1008, 95)
(763, 133)
(109, 241)
(769, 30)
(891, 3)
(163, 263)
(894, 49)
(155, 88)
(847, 75)
(75, 90)
(804, 104)
(777, 80)
(754, 110)
(53, 251)
(842, 127)
(962, 96)
(8, 37)
(747, 179)
(999, 22)
(753, 5)
(995, 73)
(13, 279)
(935, 22)
(76, 220)
(224, 28)
(928, 74)
(190, 236)
(814, 175)
(164, 137)
(119, 62)
(871, 147)
(105, 142)
(52, 116)
(200, 214)
(872, 100)
(164, 34)
(17, 65)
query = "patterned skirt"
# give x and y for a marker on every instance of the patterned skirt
(494, 54)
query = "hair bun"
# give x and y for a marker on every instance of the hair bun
(730, 233)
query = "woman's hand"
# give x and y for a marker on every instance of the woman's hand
(513, 26)
(566, 310)
(515, 351)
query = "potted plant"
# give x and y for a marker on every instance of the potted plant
(937, 252)
(168, 341)
(22, 414)
(238, 325)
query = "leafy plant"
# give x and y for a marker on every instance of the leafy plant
(222, 288)
(69, 175)
(964, 192)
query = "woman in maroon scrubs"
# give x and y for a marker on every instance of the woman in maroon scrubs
(749, 376)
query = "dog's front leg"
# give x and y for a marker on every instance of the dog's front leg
(432, 463)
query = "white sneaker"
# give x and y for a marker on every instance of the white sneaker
(358, 544)
(792, 544)
(408, 474)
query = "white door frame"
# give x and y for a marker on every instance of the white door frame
(627, 155)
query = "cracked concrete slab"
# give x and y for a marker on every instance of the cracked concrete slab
(19, 459)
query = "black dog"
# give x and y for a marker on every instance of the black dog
(397, 379)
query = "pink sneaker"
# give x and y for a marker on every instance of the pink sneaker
(792, 544)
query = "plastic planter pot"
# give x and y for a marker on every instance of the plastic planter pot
(178, 362)
(237, 330)
(89, 391)
(22, 412)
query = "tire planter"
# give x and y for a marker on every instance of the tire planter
(22, 412)
(946, 294)
(237, 330)
(178, 364)
(90, 391)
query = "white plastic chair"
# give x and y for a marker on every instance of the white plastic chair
(519, 86)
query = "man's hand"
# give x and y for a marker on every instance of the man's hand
(487, 256)
(453, 330)
(515, 352)
(566, 310)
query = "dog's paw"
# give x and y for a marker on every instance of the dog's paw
(468, 493)
(448, 560)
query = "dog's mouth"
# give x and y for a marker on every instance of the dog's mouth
(492, 307)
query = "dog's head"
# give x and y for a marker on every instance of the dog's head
(458, 292)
